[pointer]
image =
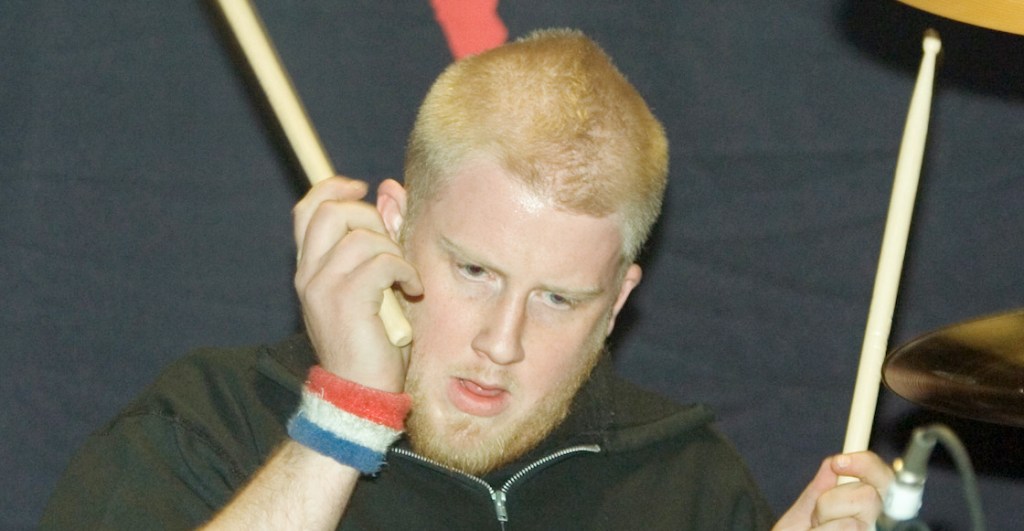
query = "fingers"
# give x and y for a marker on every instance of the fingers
(868, 467)
(333, 189)
(346, 261)
(348, 240)
(799, 515)
(824, 505)
(335, 232)
(335, 222)
(854, 505)
(857, 502)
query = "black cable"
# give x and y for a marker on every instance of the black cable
(956, 450)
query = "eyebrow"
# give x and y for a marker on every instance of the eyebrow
(461, 254)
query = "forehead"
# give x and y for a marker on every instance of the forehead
(483, 209)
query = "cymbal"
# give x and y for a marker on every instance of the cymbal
(1002, 15)
(973, 369)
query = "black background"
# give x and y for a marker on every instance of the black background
(145, 200)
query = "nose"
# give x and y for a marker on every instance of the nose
(500, 337)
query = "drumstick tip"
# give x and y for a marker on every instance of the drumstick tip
(932, 44)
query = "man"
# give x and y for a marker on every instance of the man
(533, 175)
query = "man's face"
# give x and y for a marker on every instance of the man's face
(518, 299)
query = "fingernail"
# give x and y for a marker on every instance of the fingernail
(842, 461)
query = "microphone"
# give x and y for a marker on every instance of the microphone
(903, 499)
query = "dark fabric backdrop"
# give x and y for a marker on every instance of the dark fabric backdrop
(145, 200)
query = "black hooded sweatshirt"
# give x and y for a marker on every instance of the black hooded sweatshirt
(623, 459)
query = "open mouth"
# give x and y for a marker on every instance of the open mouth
(477, 398)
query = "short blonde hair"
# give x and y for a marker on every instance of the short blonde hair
(554, 111)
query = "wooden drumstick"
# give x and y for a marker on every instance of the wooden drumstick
(305, 142)
(890, 262)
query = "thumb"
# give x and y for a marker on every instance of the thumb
(799, 515)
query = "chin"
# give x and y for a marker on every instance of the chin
(475, 445)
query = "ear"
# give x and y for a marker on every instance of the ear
(391, 206)
(629, 281)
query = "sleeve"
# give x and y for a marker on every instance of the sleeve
(750, 511)
(144, 471)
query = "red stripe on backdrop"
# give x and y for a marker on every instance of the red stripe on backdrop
(470, 26)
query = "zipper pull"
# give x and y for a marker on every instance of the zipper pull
(498, 497)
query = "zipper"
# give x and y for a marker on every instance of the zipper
(500, 497)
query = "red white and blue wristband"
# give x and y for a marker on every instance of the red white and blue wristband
(348, 422)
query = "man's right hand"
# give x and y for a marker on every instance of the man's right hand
(346, 259)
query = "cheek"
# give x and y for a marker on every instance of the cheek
(560, 355)
(440, 321)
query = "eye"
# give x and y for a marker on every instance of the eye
(559, 301)
(471, 271)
